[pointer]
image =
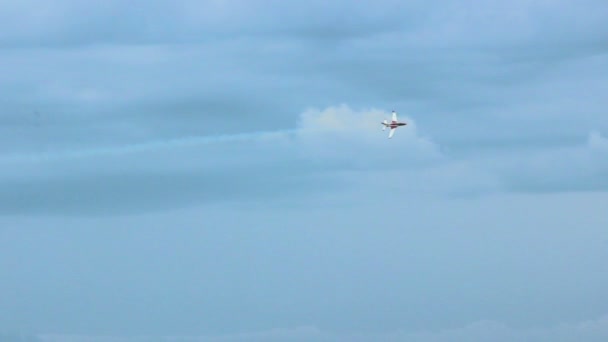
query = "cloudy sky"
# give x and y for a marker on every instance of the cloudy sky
(216, 171)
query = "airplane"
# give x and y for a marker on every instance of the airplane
(392, 125)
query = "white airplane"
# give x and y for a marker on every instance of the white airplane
(392, 125)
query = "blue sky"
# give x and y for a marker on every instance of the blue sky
(217, 170)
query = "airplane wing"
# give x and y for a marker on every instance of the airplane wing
(394, 116)
(390, 134)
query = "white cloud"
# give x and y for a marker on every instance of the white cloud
(336, 132)
(335, 145)
(324, 147)
(341, 134)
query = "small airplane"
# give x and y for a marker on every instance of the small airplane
(392, 125)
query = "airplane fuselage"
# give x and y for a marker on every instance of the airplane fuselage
(394, 124)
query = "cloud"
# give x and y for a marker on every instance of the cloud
(597, 142)
(68, 22)
(289, 263)
(63, 24)
(148, 119)
(530, 23)
(339, 133)
(143, 147)
(176, 172)
(18, 338)
(332, 148)
(197, 68)
(592, 330)
(572, 168)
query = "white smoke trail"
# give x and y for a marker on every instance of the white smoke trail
(146, 146)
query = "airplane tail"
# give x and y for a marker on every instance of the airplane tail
(384, 124)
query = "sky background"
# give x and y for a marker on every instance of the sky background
(216, 171)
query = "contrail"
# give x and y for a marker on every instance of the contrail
(145, 146)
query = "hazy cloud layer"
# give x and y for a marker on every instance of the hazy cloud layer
(595, 330)
(166, 174)
(337, 147)
(213, 168)
(355, 262)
